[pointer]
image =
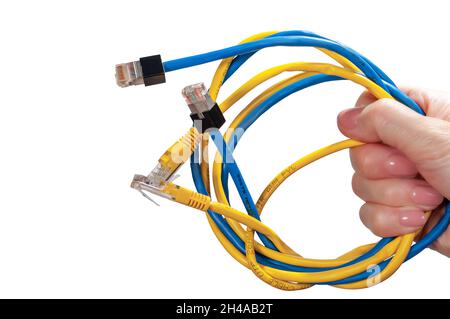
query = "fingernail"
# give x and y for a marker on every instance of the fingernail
(349, 118)
(425, 195)
(412, 218)
(398, 165)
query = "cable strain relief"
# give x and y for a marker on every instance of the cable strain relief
(191, 139)
(199, 201)
(152, 70)
(209, 119)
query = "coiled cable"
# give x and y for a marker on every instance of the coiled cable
(272, 260)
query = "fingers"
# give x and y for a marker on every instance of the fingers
(397, 192)
(424, 140)
(396, 125)
(385, 179)
(379, 121)
(387, 221)
(386, 173)
(376, 161)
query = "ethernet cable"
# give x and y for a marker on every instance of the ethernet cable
(271, 260)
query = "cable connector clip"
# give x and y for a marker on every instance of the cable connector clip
(145, 184)
(205, 112)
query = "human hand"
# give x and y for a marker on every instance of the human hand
(405, 169)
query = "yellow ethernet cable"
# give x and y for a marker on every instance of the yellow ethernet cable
(270, 258)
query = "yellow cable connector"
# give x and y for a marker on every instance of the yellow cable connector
(174, 157)
(181, 150)
(164, 172)
(173, 192)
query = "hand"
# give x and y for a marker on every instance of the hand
(405, 168)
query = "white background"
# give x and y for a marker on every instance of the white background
(71, 141)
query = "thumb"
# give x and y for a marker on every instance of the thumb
(424, 140)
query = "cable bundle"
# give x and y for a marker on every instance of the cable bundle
(272, 260)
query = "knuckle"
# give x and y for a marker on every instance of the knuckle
(377, 108)
(365, 164)
(376, 111)
(363, 214)
(389, 193)
(356, 184)
(377, 225)
(416, 95)
(354, 158)
(372, 219)
(437, 156)
(360, 160)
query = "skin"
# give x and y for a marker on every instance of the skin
(404, 170)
